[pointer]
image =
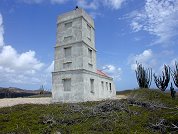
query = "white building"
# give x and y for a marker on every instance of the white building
(75, 77)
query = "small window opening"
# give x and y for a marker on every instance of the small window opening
(67, 52)
(107, 85)
(67, 84)
(102, 85)
(110, 87)
(92, 86)
(90, 53)
(68, 24)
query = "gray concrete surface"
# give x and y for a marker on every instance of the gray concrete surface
(75, 77)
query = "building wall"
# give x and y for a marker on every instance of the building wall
(88, 33)
(81, 87)
(75, 61)
(99, 92)
(76, 94)
(69, 34)
(77, 31)
(79, 59)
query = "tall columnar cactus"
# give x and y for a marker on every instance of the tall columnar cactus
(163, 81)
(144, 76)
(175, 75)
(173, 92)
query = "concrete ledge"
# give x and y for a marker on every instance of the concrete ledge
(81, 71)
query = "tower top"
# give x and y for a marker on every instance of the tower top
(77, 13)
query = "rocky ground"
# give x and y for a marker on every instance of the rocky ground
(144, 111)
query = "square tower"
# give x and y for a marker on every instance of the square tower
(75, 75)
(75, 48)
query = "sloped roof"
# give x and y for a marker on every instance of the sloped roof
(101, 73)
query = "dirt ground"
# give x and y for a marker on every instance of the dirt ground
(7, 102)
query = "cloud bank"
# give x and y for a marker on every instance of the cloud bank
(92, 4)
(159, 18)
(20, 68)
(95, 4)
(146, 58)
(41, 1)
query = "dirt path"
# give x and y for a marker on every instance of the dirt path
(7, 102)
(121, 96)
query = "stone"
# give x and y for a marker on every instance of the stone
(75, 77)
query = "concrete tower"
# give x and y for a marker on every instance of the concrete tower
(75, 77)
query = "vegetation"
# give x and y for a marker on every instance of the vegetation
(175, 75)
(163, 81)
(40, 95)
(13, 92)
(173, 92)
(145, 111)
(144, 76)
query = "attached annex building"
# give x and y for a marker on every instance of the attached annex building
(75, 77)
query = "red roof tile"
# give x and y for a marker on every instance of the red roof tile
(101, 73)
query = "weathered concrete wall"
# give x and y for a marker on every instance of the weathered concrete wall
(99, 91)
(76, 94)
(78, 31)
(79, 58)
(69, 34)
(75, 14)
(81, 87)
(88, 36)
(75, 61)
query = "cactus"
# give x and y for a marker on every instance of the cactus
(175, 75)
(173, 92)
(163, 81)
(144, 76)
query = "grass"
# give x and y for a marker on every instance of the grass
(154, 96)
(117, 116)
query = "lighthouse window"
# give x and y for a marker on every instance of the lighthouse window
(68, 24)
(67, 84)
(67, 52)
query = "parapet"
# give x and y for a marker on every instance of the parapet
(76, 13)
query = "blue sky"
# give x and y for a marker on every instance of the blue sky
(126, 31)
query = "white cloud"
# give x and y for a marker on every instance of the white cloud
(95, 14)
(136, 26)
(1, 31)
(146, 58)
(16, 67)
(159, 18)
(58, 1)
(51, 67)
(114, 4)
(113, 71)
(41, 1)
(156, 61)
(32, 1)
(23, 62)
(88, 5)
(95, 4)
(92, 4)
(21, 68)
